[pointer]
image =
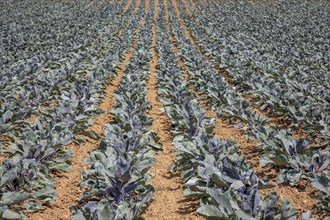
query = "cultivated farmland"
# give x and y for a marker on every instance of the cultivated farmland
(165, 109)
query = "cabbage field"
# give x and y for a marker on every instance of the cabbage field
(165, 109)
